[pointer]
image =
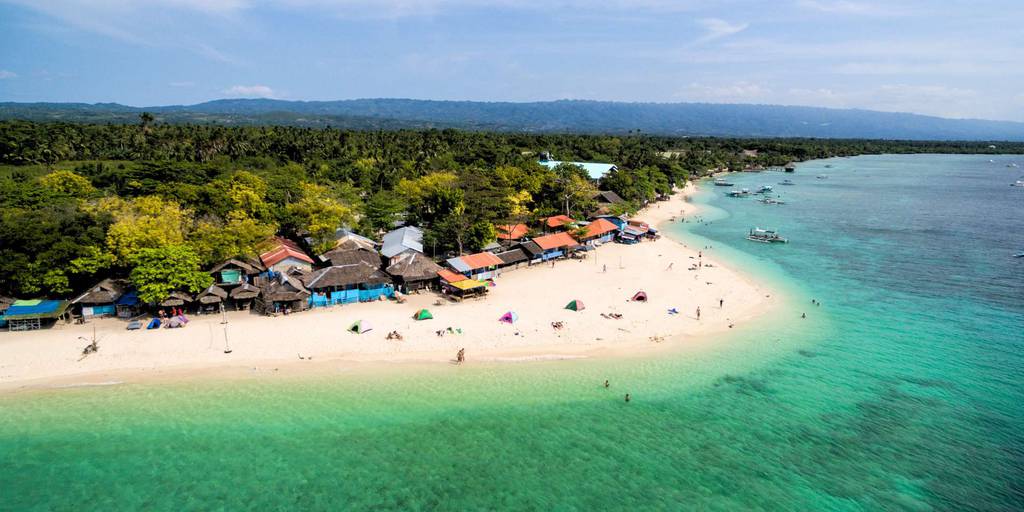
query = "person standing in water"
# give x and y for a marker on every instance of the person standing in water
(606, 383)
(627, 398)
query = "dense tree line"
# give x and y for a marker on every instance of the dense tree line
(159, 202)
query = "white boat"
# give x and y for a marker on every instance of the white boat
(764, 189)
(822, 177)
(1018, 183)
(1011, 164)
(766, 236)
(787, 182)
(721, 182)
(739, 193)
(769, 200)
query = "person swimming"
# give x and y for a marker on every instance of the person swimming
(627, 397)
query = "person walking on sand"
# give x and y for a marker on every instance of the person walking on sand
(461, 356)
(698, 312)
(670, 265)
(604, 268)
(721, 302)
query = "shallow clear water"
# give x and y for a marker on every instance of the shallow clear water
(903, 391)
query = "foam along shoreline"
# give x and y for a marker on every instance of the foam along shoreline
(604, 282)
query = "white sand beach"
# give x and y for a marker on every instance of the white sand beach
(604, 282)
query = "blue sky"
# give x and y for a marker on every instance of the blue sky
(948, 58)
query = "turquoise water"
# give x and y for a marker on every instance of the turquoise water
(903, 391)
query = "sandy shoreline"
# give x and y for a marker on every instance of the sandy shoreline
(604, 283)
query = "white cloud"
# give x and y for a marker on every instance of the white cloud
(4, 74)
(250, 91)
(847, 7)
(716, 28)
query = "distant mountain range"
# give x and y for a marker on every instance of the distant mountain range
(678, 119)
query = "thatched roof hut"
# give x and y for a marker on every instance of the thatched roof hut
(106, 291)
(347, 256)
(212, 295)
(176, 299)
(413, 266)
(284, 289)
(343, 276)
(245, 292)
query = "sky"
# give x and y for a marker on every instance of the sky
(948, 58)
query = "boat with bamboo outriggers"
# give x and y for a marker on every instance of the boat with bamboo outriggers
(766, 236)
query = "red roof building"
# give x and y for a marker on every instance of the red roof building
(286, 251)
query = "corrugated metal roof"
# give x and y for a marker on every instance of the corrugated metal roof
(594, 169)
(458, 264)
(402, 239)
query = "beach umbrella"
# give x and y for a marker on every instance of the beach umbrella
(641, 296)
(423, 314)
(575, 305)
(509, 318)
(360, 326)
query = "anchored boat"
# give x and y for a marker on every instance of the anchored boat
(721, 182)
(787, 182)
(766, 236)
(764, 189)
(739, 193)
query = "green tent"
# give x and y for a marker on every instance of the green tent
(360, 326)
(576, 305)
(423, 314)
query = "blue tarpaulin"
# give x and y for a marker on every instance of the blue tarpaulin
(41, 309)
(129, 299)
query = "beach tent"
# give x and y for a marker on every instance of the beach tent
(576, 305)
(641, 296)
(175, 323)
(154, 324)
(509, 318)
(423, 314)
(360, 326)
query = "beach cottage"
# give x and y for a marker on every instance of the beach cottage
(413, 271)
(513, 258)
(479, 266)
(597, 232)
(555, 245)
(235, 271)
(510, 233)
(557, 223)
(344, 284)
(351, 248)
(101, 299)
(284, 254)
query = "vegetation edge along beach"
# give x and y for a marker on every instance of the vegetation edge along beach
(319, 227)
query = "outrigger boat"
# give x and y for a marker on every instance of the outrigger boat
(769, 200)
(739, 193)
(1018, 183)
(787, 182)
(721, 182)
(764, 189)
(766, 236)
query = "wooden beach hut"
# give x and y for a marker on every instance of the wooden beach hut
(176, 299)
(413, 271)
(212, 299)
(100, 299)
(282, 294)
(597, 232)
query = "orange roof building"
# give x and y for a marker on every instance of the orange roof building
(284, 253)
(555, 241)
(598, 228)
(557, 221)
(512, 231)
